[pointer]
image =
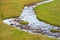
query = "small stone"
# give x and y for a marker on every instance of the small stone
(11, 24)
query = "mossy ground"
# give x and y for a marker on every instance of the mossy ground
(10, 33)
(55, 31)
(13, 8)
(49, 12)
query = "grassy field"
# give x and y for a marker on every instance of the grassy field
(13, 8)
(11, 33)
(49, 12)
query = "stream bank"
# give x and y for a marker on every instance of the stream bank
(34, 26)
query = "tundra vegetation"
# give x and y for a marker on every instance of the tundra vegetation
(49, 12)
(10, 9)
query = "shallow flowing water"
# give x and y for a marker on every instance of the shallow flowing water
(29, 15)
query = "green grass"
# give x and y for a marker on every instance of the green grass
(49, 12)
(11, 33)
(55, 31)
(13, 8)
(23, 22)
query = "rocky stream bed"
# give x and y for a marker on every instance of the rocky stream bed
(34, 25)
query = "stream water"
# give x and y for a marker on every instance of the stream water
(29, 15)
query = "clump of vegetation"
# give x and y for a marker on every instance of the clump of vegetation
(55, 31)
(23, 22)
